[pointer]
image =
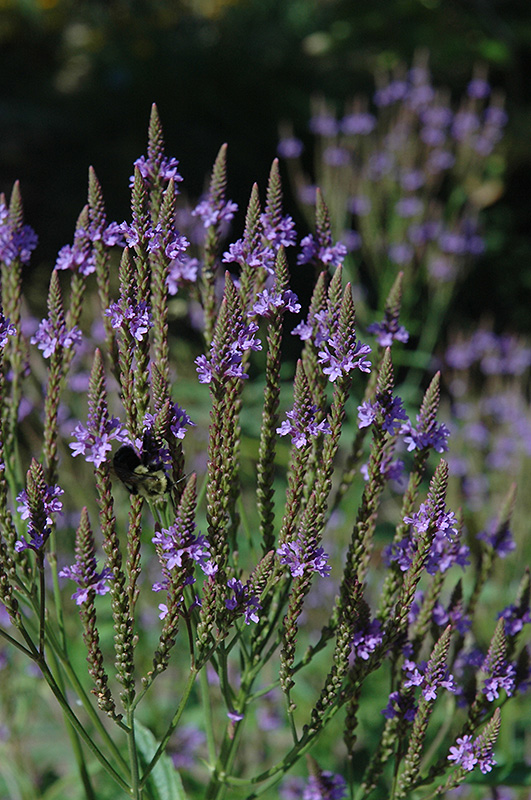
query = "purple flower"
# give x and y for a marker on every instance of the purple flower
(324, 124)
(463, 753)
(388, 331)
(278, 230)
(253, 254)
(455, 616)
(433, 137)
(235, 716)
(401, 253)
(226, 358)
(268, 303)
(426, 434)
(365, 642)
(470, 753)
(400, 706)
(51, 505)
(302, 425)
(331, 255)
(360, 122)
(445, 550)
(464, 124)
(94, 441)
(379, 165)
(360, 205)
(390, 409)
(52, 334)
(182, 271)
(179, 546)
(336, 156)
(501, 541)
(515, 617)
(134, 317)
(500, 674)
(290, 147)
(409, 207)
(163, 168)
(303, 557)
(387, 95)
(6, 329)
(478, 89)
(436, 116)
(184, 746)
(438, 161)
(429, 676)
(88, 579)
(325, 786)
(16, 242)
(242, 600)
(340, 357)
(179, 422)
(78, 257)
(212, 213)
(496, 116)
(412, 180)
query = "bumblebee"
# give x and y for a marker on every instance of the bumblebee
(142, 475)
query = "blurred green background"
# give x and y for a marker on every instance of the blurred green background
(78, 78)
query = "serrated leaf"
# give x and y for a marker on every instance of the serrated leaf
(164, 781)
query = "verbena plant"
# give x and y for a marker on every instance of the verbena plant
(406, 175)
(216, 606)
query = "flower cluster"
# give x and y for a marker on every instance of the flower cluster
(226, 359)
(156, 168)
(332, 255)
(39, 519)
(135, 317)
(211, 213)
(178, 546)
(17, 241)
(367, 640)
(269, 302)
(242, 601)
(388, 331)
(427, 434)
(469, 753)
(301, 425)
(80, 256)
(445, 550)
(338, 354)
(53, 334)
(6, 329)
(302, 558)
(90, 581)
(391, 411)
(94, 439)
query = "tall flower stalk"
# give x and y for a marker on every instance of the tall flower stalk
(274, 582)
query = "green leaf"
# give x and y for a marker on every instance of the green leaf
(164, 782)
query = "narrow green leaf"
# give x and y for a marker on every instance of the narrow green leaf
(164, 782)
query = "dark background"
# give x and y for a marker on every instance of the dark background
(78, 79)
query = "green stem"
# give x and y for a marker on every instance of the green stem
(42, 604)
(173, 724)
(85, 700)
(52, 561)
(16, 644)
(61, 699)
(207, 715)
(136, 790)
(74, 738)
